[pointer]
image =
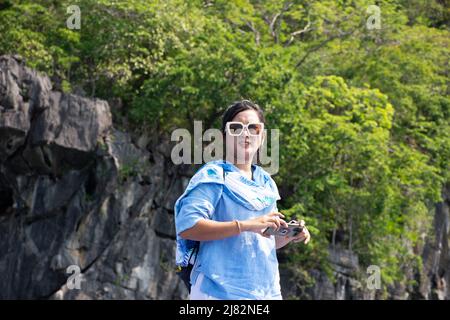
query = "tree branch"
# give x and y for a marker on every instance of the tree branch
(276, 20)
(296, 33)
(254, 30)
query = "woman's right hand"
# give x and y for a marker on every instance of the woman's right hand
(259, 224)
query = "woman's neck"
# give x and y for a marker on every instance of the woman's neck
(244, 167)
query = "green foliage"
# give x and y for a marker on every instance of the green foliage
(130, 168)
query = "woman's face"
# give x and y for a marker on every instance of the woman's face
(245, 146)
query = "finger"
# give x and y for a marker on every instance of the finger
(270, 224)
(276, 214)
(278, 223)
(281, 221)
(302, 223)
(284, 223)
(306, 231)
(308, 238)
(276, 220)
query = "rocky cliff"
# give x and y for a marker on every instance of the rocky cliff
(75, 191)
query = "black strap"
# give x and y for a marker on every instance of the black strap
(195, 251)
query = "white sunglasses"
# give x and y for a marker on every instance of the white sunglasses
(235, 128)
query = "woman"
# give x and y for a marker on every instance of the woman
(226, 207)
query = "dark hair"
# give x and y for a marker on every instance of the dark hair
(239, 106)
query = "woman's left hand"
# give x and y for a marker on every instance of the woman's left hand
(303, 236)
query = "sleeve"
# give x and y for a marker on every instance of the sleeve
(198, 204)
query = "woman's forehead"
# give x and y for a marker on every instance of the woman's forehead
(247, 116)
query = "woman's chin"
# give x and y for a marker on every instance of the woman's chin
(245, 153)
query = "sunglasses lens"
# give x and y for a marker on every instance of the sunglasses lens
(255, 129)
(236, 128)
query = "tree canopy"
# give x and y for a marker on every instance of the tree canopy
(363, 112)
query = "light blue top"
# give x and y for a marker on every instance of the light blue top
(239, 267)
